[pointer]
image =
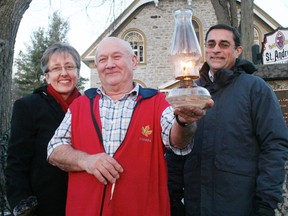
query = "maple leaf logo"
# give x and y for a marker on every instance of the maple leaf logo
(146, 131)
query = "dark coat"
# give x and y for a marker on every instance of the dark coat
(34, 120)
(237, 164)
(175, 164)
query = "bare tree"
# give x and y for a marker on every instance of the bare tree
(11, 13)
(246, 28)
(226, 12)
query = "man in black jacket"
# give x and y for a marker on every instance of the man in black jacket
(236, 166)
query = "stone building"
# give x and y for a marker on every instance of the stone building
(149, 25)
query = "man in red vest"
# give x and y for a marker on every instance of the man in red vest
(113, 139)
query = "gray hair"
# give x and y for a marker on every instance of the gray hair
(59, 48)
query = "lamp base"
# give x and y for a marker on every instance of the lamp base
(196, 96)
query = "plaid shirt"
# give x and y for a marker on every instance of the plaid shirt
(115, 117)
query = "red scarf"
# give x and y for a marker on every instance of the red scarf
(63, 103)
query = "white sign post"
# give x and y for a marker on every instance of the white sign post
(275, 47)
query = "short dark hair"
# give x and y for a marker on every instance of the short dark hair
(59, 47)
(236, 34)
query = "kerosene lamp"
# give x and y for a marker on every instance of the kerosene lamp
(185, 55)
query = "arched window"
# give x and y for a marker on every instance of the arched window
(197, 30)
(256, 36)
(256, 47)
(136, 40)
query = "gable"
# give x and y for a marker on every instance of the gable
(157, 25)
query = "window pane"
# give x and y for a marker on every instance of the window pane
(137, 43)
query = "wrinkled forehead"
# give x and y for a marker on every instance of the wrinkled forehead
(113, 45)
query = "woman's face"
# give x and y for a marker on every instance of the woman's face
(62, 73)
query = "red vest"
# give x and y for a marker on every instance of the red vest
(142, 187)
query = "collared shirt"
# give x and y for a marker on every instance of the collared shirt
(211, 77)
(115, 117)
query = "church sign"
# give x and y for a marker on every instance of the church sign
(282, 96)
(275, 47)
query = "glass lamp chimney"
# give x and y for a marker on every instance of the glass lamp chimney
(185, 52)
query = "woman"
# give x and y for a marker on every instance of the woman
(34, 187)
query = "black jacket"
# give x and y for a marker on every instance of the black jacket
(240, 147)
(34, 120)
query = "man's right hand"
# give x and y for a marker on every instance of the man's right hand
(104, 167)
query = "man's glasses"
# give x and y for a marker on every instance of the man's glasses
(222, 44)
(58, 69)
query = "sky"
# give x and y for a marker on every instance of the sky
(88, 20)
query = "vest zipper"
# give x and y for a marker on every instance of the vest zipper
(103, 200)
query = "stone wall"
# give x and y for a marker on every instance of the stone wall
(275, 74)
(283, 207)
(157, 26)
